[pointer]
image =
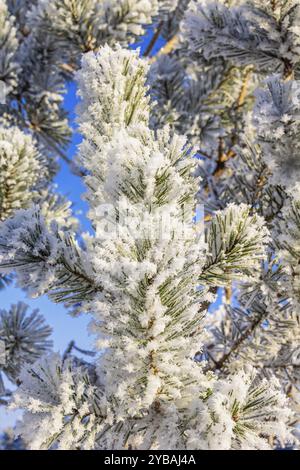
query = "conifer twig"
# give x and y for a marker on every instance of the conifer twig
(153, 40)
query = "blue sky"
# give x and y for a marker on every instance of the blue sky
(65, 328)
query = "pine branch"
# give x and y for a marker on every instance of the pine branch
(222, 362)
(60, 266)
(25, 338)
(235, 242)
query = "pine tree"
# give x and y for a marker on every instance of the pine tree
(37, 59)
(41, 43)
(261, 169)
(212, 119)
(140, 285)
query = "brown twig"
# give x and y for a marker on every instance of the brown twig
(224, 359)
(244, 88)
(69, 68)
(153, 40)
(228, 294)
(169, 46)
(223, 157)
(288, 71)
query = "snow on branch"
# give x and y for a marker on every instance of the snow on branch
(237, 242)
(8, 46)
(21, 170)
(142, 288)
(249, 33)
(46, 259)
(276, 117)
